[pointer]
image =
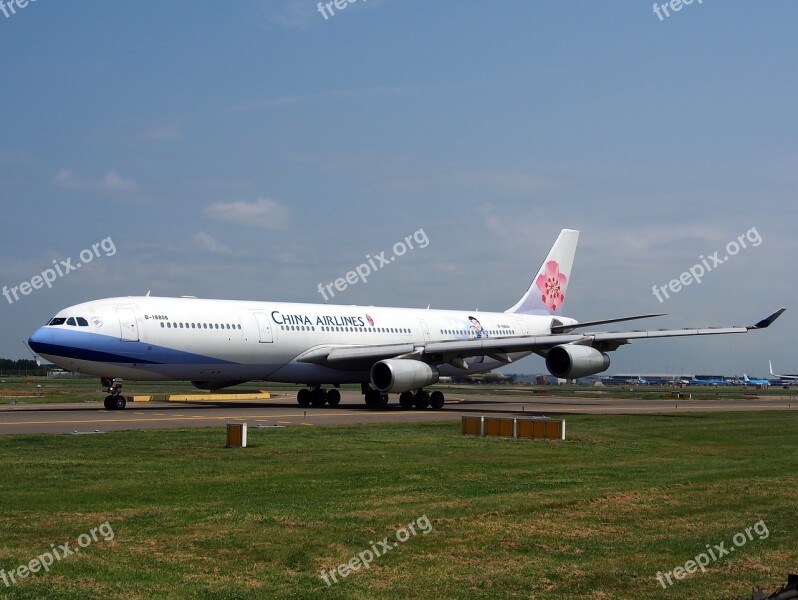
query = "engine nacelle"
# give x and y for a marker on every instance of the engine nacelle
(402, 375)
(570, 361)
(214, 385)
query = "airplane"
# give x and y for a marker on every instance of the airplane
(782, 377)
(713, 381)
(219, 343)
(749, 381)
(623, 380)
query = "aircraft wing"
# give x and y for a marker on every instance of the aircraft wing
(454, 352)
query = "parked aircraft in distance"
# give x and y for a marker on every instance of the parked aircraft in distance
(714, 381)
(220, 343)
(788, 378)
(748, 381)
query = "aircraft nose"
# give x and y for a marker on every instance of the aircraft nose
(40, 340)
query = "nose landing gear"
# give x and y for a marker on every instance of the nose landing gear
(114, 400)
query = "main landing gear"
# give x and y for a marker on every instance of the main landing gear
(421, 399)
(318, 397)
(114, 400)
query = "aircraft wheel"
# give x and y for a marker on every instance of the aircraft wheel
(421, 399)
(437, 399)
(119, 402)
(333, 397)
(381, 400)
(108, 403)
(303, 397)
(406, 400)
(371, 397)
(317, 397)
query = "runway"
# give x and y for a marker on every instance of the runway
(282, 410)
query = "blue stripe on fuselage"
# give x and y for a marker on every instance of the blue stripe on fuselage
(83, 345)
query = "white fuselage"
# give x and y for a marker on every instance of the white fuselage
(148, 338)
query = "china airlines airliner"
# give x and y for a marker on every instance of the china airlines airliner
(220, 343)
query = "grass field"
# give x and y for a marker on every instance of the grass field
(596, 516)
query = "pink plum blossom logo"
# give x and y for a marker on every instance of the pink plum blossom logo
(552, 283)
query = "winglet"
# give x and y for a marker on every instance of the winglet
(766, 322)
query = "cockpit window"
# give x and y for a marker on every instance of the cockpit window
(57, 321)
(82, 322)
(71, 321)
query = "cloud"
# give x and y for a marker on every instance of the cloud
(330, 96)
(263, 213)
(295, 14)
(211, 244)
(166, 132)
(111, 182)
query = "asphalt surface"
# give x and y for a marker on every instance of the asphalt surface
(282, 410)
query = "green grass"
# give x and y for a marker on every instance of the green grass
(596, 516)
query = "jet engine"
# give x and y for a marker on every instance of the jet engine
(570, 361)
(402, 375)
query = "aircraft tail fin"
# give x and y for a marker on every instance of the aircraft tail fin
(546, 293)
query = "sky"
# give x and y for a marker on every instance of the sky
(256, 149)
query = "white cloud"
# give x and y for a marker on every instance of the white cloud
(166, 132)
(111, 182)
(211, 244)
(263, 213)
(330, 96)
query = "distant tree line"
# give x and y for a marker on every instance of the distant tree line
(21, 368)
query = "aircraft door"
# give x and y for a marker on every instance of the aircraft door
(128, 325)
(264, 327)
(425, 330)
